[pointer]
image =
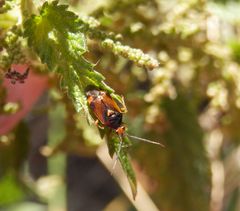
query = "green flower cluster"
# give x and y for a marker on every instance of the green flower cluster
(12, 51)
(89, 25)
(135, 55)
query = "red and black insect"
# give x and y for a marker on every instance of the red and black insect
(106, 110)
(15, 76)
(109, 113)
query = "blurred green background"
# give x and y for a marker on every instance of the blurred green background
(191, 102)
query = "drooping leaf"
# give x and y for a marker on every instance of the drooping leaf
(123, 157)
(56, 37)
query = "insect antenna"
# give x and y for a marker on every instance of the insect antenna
(117, 153)
(145, 140)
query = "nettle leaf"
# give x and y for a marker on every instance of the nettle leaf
(76, 92)
(55, 35)
(123, 157)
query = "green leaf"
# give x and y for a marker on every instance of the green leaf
(123, 157)
(76, 91)
(56, 37)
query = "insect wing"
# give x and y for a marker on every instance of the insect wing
(110, 103)
(99, 109)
